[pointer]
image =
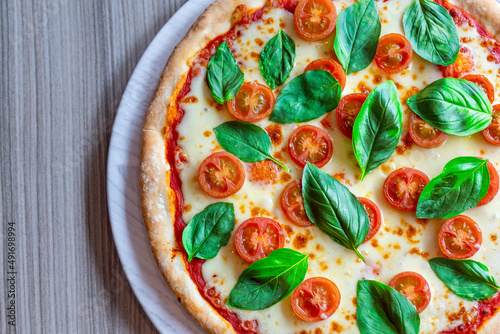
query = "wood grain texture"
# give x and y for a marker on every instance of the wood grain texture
(64, 67)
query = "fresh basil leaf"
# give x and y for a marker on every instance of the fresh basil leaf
(377, 127)
(224, 76)
(247, 141)
(334, 209)
(269, 280)
(306, 97)
(208, 231)
(383, 310)
(277, 59)
(358, 33)
(431, 32)
(468, 279)
(463, 182)
(454, 106)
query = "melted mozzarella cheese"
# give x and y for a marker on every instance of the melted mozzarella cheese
(402, 243)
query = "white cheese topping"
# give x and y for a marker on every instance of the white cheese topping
(402, 243)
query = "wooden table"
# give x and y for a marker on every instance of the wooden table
(64, 67)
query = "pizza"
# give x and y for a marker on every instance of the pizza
(321, 166)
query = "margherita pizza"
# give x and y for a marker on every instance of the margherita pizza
(321, 166)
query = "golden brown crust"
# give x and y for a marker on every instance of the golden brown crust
(158, 200)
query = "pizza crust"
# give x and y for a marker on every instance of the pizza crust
(485, 11)
(491, 326)
(158, 200)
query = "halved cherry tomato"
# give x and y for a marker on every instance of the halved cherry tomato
(460, 237)
(492, 132)
(424, 134)
(221, 175)
(252, 103)
(257, 237)
(374, 215)
(329, 65)
(482, 82)
(414, 287)
(403, 187)
(347, 111)
(394, 53)
(315, 299)
(463, 65)
(292, 204)
(494, 185)
(315, 19)
(310, 144)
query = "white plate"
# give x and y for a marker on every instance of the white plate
(129, 233)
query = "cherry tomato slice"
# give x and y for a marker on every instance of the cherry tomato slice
(424, 134)
(328, 65)
(482, 82)
(257, 237)
(315, 19)
(394, 53)
(494, 185)
(347, 111)
(414, 287)
(310, 144)
(221, 175)
(315, 299)
(403, 187)
(292, 204)
(463, 65)
(252, 103)
(374, 215)
(492, 132)
(460, 237)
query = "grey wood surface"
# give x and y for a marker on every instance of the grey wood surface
(64, 67)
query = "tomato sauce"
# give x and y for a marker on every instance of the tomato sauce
(486, 309)
(288, 5)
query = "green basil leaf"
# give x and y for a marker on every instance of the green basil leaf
(224, 76)
(277, 59)
(334, 209)
(454, 106)
(431, 32)
(463, 182)
(358, 33)
(377, 127)
(269, 280)
(247, 141)
(306, 97)
(383, 310)
(208, 231)
(468, 279)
